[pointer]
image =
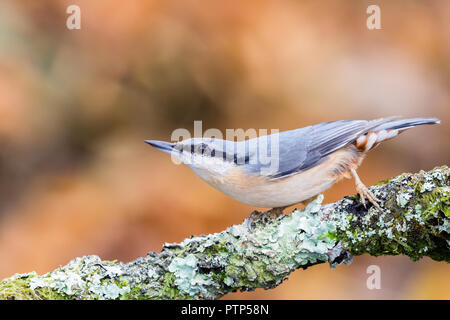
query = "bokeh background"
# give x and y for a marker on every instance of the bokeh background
(76, 177)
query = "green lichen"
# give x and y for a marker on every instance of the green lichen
(282, 245)
(187, 278)
(414, 225)
(17, 287)
(210, 266)
(82, 278)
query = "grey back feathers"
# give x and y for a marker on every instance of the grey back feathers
(307, 147)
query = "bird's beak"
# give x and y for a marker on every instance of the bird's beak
(161, 145)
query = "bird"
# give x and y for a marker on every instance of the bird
(289, 167)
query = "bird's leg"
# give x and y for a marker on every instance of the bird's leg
(255, 215)
(364, 192)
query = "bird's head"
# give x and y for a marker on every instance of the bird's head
(208, 154)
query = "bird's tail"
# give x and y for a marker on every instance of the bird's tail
(388, 130)
(405, 124)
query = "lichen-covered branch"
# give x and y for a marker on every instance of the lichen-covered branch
(261, 253)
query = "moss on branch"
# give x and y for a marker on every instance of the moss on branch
(261, 253)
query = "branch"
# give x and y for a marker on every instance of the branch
(261, 253)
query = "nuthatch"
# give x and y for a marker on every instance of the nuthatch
(307, 161)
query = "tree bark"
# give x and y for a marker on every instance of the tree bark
(262, 251)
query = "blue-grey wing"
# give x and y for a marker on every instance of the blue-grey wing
(304, 148)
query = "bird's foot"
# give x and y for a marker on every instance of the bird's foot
(254, 217)
(263, 216)
(364, 193)
(275, 212)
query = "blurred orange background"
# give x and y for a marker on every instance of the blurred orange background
(76, 177)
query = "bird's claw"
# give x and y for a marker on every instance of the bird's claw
(255, 216)
(275, 212)
(364, 193)
(263, 216)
